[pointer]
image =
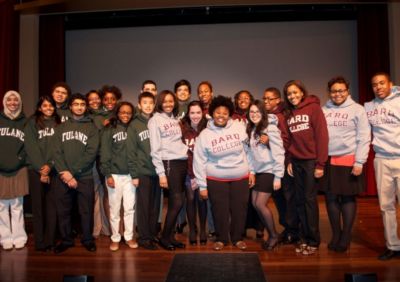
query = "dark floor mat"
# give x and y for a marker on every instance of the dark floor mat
(216, 267)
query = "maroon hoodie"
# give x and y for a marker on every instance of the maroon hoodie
(242, 117)
(309, 133)
(189, 135)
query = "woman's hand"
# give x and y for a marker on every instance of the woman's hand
(357, 170)
(252, 180)
(45, 170)
(204, 194)
(110, 182)
(163, 182)
(135, 182)
(277, 184)
(290, 169)
(318, 173)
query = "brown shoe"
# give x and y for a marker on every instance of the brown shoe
(114, 246)
(218, 246)
(132, 244)
(241, 245)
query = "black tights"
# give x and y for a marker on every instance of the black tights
(175, 203)
(342, 212)
(259, 201)
(192, 201)
(176, 188)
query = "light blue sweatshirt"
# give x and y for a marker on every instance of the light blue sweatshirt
(165, 140)
(264, 159)
(220, 153)
(349, 130)
(384, 117)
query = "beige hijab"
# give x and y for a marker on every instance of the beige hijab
(7, 112)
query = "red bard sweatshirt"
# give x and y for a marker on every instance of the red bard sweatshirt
(308, 132)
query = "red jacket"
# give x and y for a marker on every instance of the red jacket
(308, 132)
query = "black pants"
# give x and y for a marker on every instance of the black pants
(229, 206)
(84, 196)
(148, 195)
(306, 200)
(43, 209)
(175, 171)
(287, 210)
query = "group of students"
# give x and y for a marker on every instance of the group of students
(211, 151)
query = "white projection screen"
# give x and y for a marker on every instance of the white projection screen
(232, 57)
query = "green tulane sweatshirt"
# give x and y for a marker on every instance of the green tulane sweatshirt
(75, 147)
(64, 112)
(113, 150)
(138, 147)
(100, 116)
(12, 153)
(38, 142)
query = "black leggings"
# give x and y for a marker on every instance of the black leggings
(342, 212)
(194, 204)
(176, 175)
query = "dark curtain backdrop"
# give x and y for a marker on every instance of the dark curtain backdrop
(51, 52)
(373, 56)
(9, 47)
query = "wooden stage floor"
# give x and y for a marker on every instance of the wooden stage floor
(282, 264)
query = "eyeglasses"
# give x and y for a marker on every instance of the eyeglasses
(268, 100)
(339, 91)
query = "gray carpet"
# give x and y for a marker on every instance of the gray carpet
(212, 267)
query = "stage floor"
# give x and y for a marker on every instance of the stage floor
(282, 264)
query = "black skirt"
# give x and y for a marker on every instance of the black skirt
(264, 182)
(339, 180)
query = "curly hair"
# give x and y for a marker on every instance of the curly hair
(221, 101)
(110, 89)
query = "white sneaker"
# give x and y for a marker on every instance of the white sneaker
(19, 245)
(7, 246)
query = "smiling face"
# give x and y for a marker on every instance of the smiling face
(78, 108)
(243, 101)
(221, 116)
(125, 113)
(47, 109)
(60, 95)
(205, 94)
(294, 95)
(109, 101)
(94, 101)
(182, 93)
(338, 93)
(146, 105)
(150, 87)
(195, 115)
(381, 86)
(254, 114)
(168, 104)
(12, 103)
(271, 101)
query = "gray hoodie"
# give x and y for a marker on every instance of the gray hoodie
(165, 140)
